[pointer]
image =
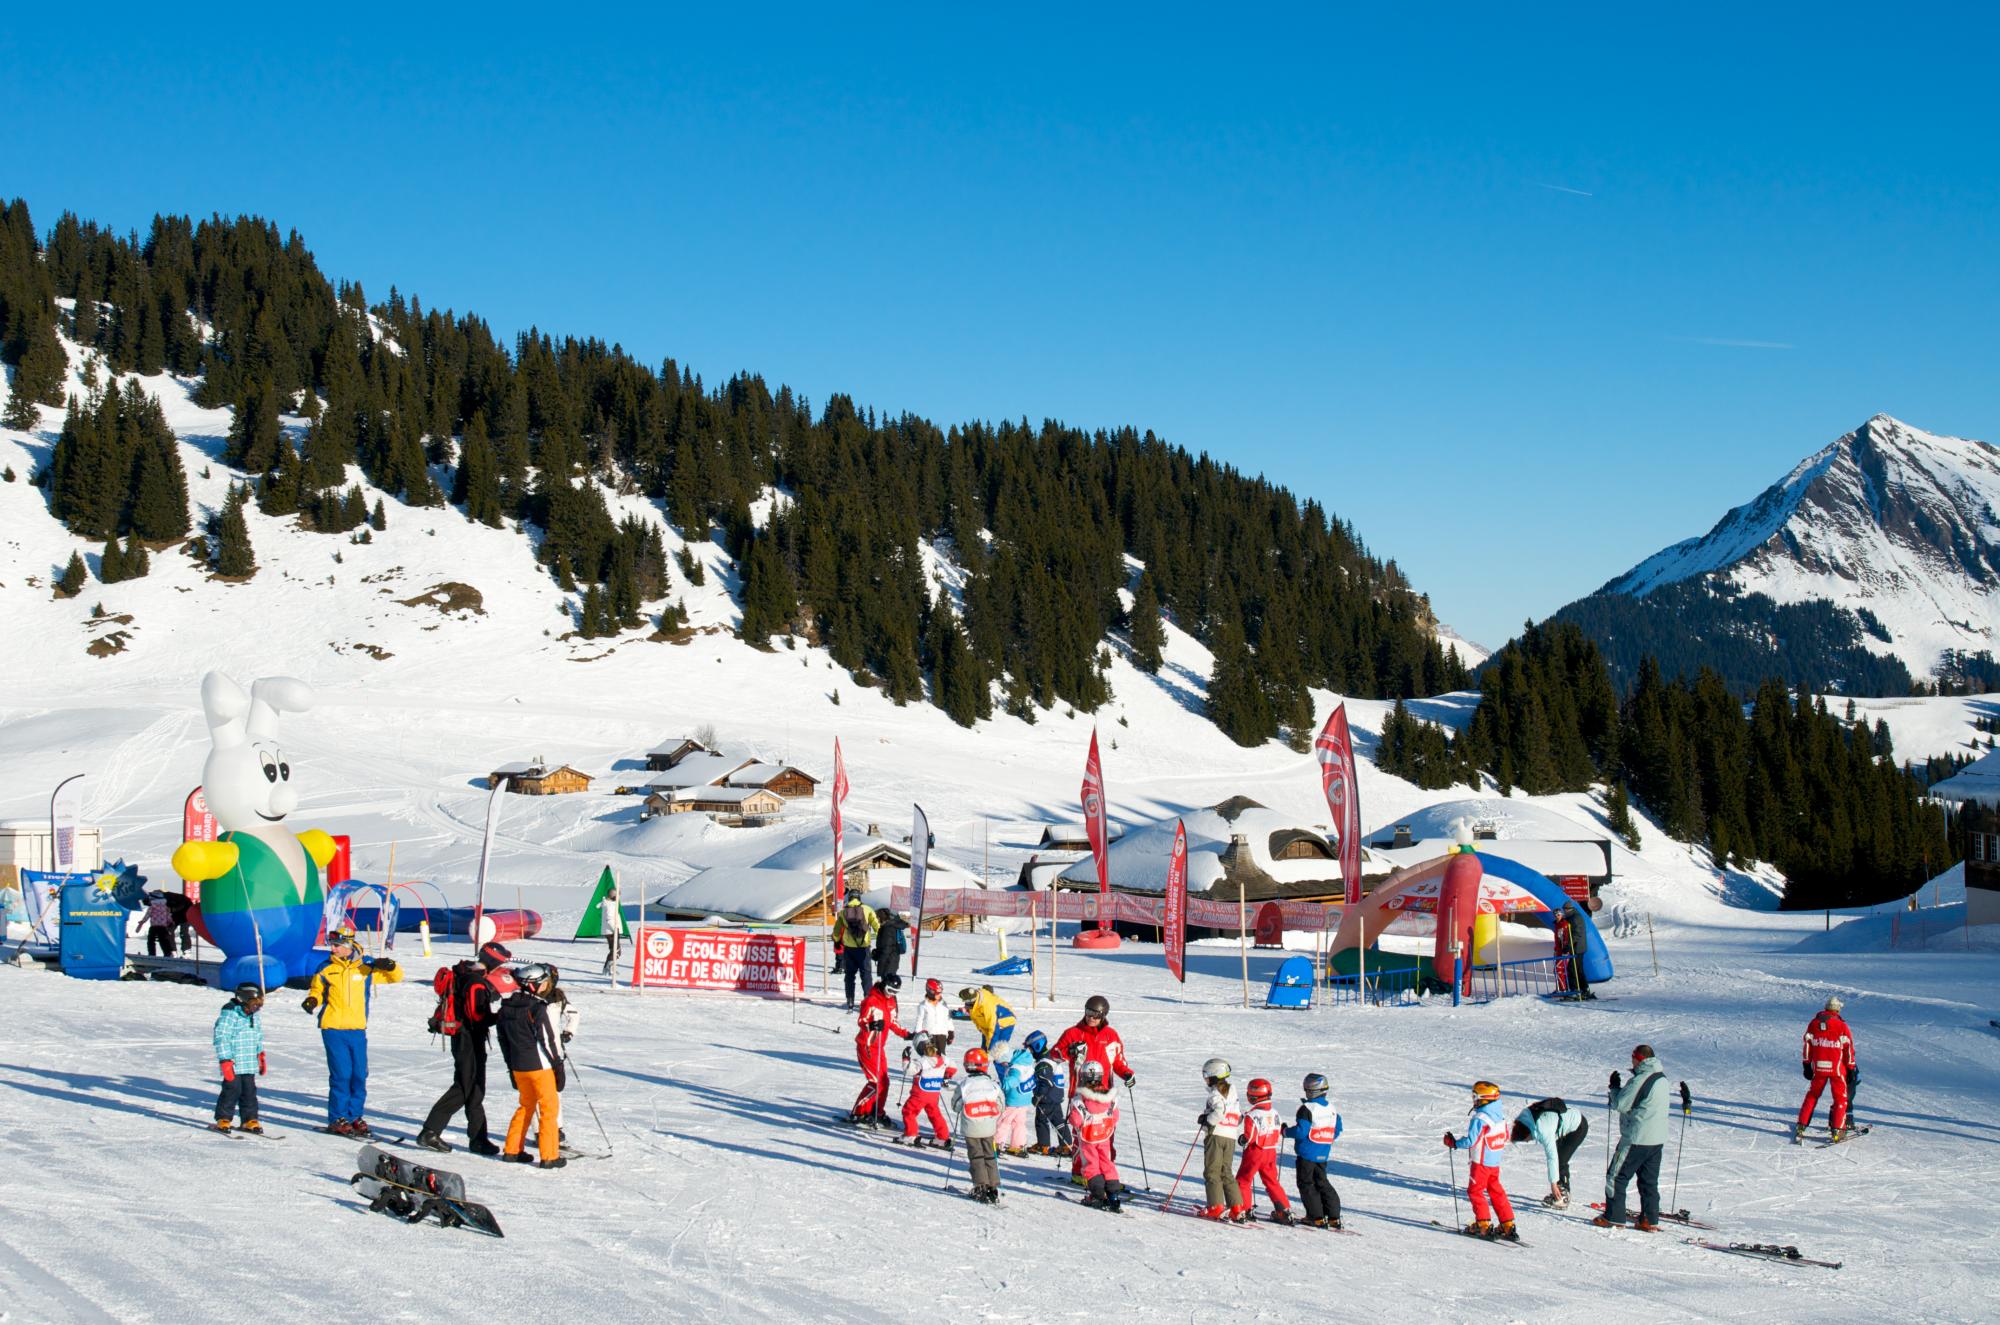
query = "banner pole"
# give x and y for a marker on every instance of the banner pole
(1243, 939)
(1055, 928)
(825, 937)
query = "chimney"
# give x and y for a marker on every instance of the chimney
(1402, 838)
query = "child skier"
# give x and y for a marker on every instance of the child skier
(1263, 1135)
(933, 1017)
(1485, 1142)
(1017, 1085)
(239, 1048)
(1093, 1116)
(1313, 1131)
(1051, 1098)
(978, 1107)
(1220, 1121)
(927, 1075)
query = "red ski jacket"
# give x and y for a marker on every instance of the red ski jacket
(876, 1018)
(1101, 1045)
(1829, 1045)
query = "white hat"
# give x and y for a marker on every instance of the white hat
(1834, 1004)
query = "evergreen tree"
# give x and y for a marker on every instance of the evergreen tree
(234, 558)
(476, 486)
(1149, 633)
(137, 561)
(111, 562)
(75, 575)
(254, 433)
(38, 374)
(378, 519)
(1618, 814)
(278, 492)
(160, 493)
(1236, 700)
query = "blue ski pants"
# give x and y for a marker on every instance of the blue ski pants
(346, 1074)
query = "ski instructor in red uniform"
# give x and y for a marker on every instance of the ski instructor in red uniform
(1092, 1041)
(876, 1022)
(1828, 1060)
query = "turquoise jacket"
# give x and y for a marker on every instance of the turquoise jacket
(1643, 1111)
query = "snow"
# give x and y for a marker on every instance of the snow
(736, 893)
(1977, 781)
(697, 770)
(731, 1196)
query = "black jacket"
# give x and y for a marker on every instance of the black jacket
(889, 941)
(528, 1036)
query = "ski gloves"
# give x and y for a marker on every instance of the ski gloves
(1450, 1141)
(1617, 1081)
(1805, 1070)
(228, 1070)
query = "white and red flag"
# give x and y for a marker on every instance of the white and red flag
(839, 828)
(1335, 752)
(1175, 923)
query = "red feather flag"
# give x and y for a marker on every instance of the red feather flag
(1093, 814)
(1175, 924)
(839, 836)
(1335, 752)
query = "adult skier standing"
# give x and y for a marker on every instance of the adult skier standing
(1828, 1059)
(1092, 1040)
(1485, 1141)
(890, 942)
(611, 922)
(854, 928)
(339, 994)
(1558, 1129)
(1642, 1108)
(876, 1022)
(469, 996)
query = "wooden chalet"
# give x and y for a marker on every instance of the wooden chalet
(668, 753)
(537, 779)
(1071, 837)
(787, 781)
(736, 806)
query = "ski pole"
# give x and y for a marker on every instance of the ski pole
(1451, 1154)
(1183, 1173)
(589, 1105)
(1145, 1177)
(1687, 1108)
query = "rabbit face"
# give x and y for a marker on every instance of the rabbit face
(247, 778)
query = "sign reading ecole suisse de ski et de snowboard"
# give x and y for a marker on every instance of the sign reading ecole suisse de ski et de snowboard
(745, 963)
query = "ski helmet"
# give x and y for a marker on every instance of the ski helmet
(494, 954)
(1093, 1073)
(881, 985)
(932, 987)
(976, 1060)
(1315, 1085)
(1485, 1092)
(892, 982)
(249, 992)
(533, 976)
(922, 1044)
(1260, 1091)
(1834, 1004)
(342, 935)
(1215, 1069)
(1097, 1005)
(968, 994)
(1037, 1043)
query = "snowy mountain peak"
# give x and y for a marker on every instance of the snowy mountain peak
(1889, 519)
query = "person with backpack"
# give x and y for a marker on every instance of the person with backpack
(1559, 1130)
(1643, 1108)
(1572, 944)
(978, 1103)
(1485, 1141)
(1827, 1059)
(890, 942)
(1314, 1129)
(339, 995)
(469, 995)
(239, 1053)
(528, 1041)
(854, 927)
(159, 926)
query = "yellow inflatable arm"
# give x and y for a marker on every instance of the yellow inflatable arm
(318, 845)
(202, 861)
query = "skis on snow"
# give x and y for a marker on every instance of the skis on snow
(1763, 1251)
(1843, 1139)
(1480, 1237)
(1674, 1216)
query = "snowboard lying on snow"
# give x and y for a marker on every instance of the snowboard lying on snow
(414, 1193)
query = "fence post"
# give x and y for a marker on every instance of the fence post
(1656, 945)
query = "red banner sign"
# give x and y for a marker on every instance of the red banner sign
(197, 825)
(747, 963)
(839, 826)
(1174, 924)
(1335, 751)
(1093, 813)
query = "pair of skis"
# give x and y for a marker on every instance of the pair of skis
(1763, 1251)
(1672, 1216)
(1480, 1237)
(414, 1192)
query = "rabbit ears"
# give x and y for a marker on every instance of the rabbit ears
(235, 717)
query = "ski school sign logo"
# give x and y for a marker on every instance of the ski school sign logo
(718, 959)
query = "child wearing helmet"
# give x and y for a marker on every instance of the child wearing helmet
(1219, 1122)
(1485, 1140)
(933, 1016)
(1313, 1131)
(1051, 1098)
(1263, 1135)
(925, 1080)
(1093, 1116)
(978, 1106)
(239, 1051)
(1017, 1090)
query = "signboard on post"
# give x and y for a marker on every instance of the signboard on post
(197, 825)
(736, 961)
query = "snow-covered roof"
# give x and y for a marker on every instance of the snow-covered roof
(721, 795)
(1977, 781)
(516, 768)
(697, 770)
(1555, 859)
(761, 774)
(814, 851)
(1138, 862)
(1510, 818)
(1076, 832)
(738, 893)
(675, 744)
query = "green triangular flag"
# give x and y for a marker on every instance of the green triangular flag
(591, 927)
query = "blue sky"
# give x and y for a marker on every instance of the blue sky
(1523, 297)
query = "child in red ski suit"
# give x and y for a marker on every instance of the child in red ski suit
(877, 1021)
(928, 1073)
(1093, 1118)
(1485, 1142)
(1263, 1135)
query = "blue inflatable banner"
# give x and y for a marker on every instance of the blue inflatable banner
(93, 929)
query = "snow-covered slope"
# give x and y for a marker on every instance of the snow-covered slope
(1889, 519)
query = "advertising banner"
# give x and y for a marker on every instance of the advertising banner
(740, 961)
(1174, 926)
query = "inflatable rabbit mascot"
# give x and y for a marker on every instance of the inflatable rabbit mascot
(261, 896)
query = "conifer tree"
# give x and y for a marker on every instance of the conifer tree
(234, 558)
(378, 519)
(1149, 633)
(476, 486)
(159, 493)
(111, 562)
(137, 561)
(1618, 814)
(254, 433)
(75, 575)
(278, 491)
(38, 375)
(1236, 700)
